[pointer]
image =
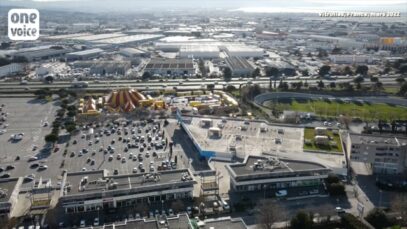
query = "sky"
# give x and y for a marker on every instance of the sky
(243, 5)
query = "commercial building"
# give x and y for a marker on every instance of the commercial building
(9, 190)
(84, 55)
(239, 66)
(386, 154)
(11, 69)
(270, 174)
(96, 190)
(171, 67)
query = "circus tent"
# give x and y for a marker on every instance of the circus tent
(124, 99)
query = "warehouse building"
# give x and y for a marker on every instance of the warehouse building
(170, 67)
(273, 175)
(386, 154)
(243, 51)
(9, 190)
(283, 67)
(11, 69)
(93, 190)
(239, 66)
(84, 55)
(199, 51)
(104, 67)
(128, 40)
(40, 53)
(134, 53)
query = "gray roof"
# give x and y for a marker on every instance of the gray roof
(377, 140)
(7, 186)
(273, 167)
(98, 181)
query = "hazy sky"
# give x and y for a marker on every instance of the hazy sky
(248, 5)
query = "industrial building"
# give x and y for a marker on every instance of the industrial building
(199, 51)
(386, 154)
(128, 40)
(351, 59)
(104, 67)
(40, 53)
(96, 190)
(244, 51)
(134, 53)
(283, 67)
(239, 66)
(170, 67)
(11, 69)
(84, 55)
(9, 190)
(272, 174)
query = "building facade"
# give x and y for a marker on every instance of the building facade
(272, 174)
(96, 190)
(386, 154)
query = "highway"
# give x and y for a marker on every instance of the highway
(180, 84)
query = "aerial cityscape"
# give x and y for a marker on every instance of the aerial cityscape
(214, 114)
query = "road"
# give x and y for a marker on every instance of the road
(181, 84)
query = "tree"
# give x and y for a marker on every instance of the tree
(336, 189)
(51, 138)
(305, 72)
(269, 212)
(332, 85)
(272, 71)
(146, 76)
(399, 205)
(325, 69)
(374, 79)
(347, 71)
(400, 80)
(378, 219)
(49, 79)
(403, 89)
(321, 84)
(70, 128)
(210, 87)
(322, 53)
(227, 74)
(358, 79)
(362, 69)
(301, 221)
(256, 72)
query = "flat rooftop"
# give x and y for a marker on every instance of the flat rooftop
(95, 37)
(377, 140)
(7, 187)
(225, 223)
(246, 137)
(170, 64)
(86, 52)
(129, 39)
(99, 180)
(273, 166)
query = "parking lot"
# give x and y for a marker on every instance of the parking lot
(28, 118)
(122, 148)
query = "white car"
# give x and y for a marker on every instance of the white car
(82, 223)
(96, 222)
(281, 193)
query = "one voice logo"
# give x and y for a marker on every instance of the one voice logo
(23, 24)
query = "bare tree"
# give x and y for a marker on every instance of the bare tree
(268, 212)
(399, 205)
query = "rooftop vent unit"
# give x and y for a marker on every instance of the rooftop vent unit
(185, 177)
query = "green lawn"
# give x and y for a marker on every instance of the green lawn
(334, 109)
(309, 134)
